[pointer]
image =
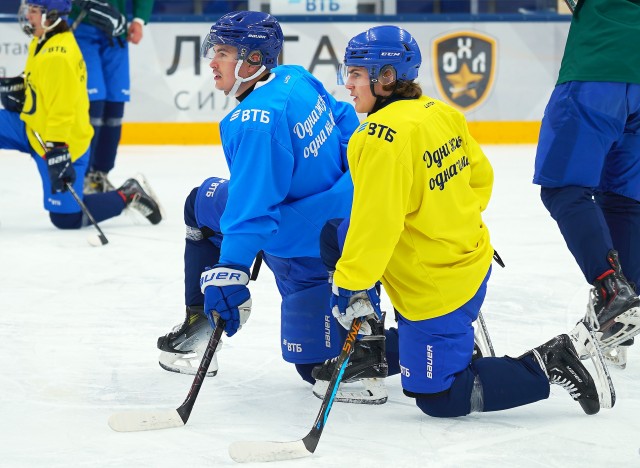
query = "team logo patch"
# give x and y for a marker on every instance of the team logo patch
(464, 68)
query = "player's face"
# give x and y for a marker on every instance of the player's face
(223, 65)
(358, 83)
(34, 18)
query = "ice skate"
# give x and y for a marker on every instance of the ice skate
(559, 361)
(183, 347)
(140, 198)
(613, 311)
(97, 182)
(367, 366)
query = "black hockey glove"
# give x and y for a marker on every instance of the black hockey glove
(104, 16)
(61, 171)
(12, 93)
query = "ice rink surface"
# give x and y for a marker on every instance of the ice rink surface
(78, 330)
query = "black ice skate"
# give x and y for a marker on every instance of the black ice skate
(367, 365)
(613, 310)
(139, 197)
(184, 346)
(97, 182)
(561, 364)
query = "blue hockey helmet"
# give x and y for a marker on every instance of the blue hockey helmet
(249, 32)
(57, 8)
(53, 11)
(380, 47)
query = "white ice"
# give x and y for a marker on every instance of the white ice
(78, 330)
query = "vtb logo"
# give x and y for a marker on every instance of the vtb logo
(464, 68)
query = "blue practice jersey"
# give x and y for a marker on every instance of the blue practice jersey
(285, 145)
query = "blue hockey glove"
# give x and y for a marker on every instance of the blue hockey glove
(226, 295)
(61, 171)
(104, 16)
(347, 305)
(12, 93)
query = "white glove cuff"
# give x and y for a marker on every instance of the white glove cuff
(223, 276)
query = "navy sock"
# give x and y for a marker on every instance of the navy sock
(108, 139)
(582, 225)
(103, 205)
(623, 218)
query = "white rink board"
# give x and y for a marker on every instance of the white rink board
(170, 84)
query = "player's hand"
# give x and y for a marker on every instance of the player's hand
(104, 16)
(135, 32)
(61, 171)
(347, 305)
(226, 295)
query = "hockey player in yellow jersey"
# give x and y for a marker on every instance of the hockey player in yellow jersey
(421, 183)
(46, 115)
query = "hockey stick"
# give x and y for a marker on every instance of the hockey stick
(133, 421)
(265, 451)
(103, 239)
(484, 338)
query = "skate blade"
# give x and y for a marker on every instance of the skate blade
(616, 357)
(631, 327)
(585, 343)
(374, 392)
(186, 363)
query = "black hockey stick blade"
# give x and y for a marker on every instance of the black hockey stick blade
(142, 420)
(267, 451)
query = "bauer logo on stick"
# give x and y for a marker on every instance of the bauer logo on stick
(464, 68)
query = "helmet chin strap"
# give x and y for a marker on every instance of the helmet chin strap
(43, 22)
(240, 80)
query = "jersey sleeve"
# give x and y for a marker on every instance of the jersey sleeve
(142, 9)
(61, 89)
(260, 180)
(481, 171)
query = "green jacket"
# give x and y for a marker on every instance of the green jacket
(603, 42)
(141, 9)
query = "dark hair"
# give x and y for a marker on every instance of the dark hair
(406, 89)
(61, 27)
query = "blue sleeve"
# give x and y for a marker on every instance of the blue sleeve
(261, 172)
(347, 121)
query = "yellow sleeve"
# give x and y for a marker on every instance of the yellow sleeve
(382, 184)
(481, 171)
(61, 91)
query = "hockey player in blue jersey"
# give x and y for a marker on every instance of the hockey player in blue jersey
(285, 145)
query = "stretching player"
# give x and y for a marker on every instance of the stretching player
(49, 107)
(420, 184)
(103, 36)
(285, 145)
(588, 161)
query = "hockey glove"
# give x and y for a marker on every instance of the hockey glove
(61, 171)
(104, 16)
(12, 93)
(226, 295)
(346, 305)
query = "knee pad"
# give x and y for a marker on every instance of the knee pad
(559, 200)
(66, 220)
(455, 401)
(305, 371)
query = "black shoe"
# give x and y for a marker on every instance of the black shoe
(560, 362)
(97, 182)
(612, 297)
(368, 361)
(137, 198)
(183, 347)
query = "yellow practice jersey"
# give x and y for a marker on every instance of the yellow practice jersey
(421, 182)
(57, 103)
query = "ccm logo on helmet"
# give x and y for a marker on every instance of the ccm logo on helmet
(390, 54)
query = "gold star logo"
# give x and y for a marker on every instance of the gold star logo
(463, 83)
